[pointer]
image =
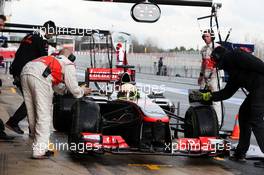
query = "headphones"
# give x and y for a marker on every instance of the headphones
(72, 57)
(209, 31)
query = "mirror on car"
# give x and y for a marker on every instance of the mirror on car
(145, 12)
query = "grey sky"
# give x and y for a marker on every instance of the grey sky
(177, 25)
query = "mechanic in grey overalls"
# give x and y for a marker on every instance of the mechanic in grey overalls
(208, 76)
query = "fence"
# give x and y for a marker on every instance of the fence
(183, 64)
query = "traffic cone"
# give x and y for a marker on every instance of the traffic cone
(236, 131)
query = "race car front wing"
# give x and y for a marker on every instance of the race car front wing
(192, 147)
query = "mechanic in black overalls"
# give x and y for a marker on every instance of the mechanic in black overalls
(32, 46)
(160, 64)
(245, 71)
(3, 135)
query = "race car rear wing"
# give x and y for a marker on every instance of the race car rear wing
(109, 75)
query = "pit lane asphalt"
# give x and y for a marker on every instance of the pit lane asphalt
(15, 155)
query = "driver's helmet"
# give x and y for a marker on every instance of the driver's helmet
(123, 78)
(128, 92)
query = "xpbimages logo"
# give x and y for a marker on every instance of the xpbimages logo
(192, 146)
(140, 88)
(81, 147)
(67, 31)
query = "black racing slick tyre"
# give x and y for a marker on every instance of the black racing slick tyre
(201, 121)
(86, 117)
(62, 115)
(61, 121)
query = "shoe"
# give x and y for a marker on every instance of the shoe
(3, 136)
(259, 164)
(238, 157)
(50, 153)
(14, 128)
(47, 155)
(31, 135)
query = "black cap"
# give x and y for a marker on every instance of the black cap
(217, 53)
(49, 27)
(3, 17)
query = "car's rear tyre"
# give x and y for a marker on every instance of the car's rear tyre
(201, 121)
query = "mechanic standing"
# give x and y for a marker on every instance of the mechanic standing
(2, 126)
(160, 65)
(208, 75)
(32, 46)
(38, 79)
(245, 71)
(120, 54)
(2, 25)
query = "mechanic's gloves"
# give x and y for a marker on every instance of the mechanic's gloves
(197, 96)
(207, 96)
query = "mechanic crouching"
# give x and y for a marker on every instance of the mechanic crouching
(39, 77)
(245, 71)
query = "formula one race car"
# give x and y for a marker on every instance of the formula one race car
(125, 120)
(128, 121)
(125, 123)
(135, 125)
